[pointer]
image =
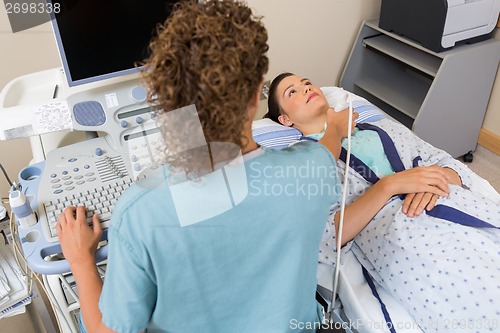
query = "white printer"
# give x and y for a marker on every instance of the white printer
(440, 24)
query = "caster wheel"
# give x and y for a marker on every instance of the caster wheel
(468, 158)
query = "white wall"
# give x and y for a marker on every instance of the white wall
(492, 118)
(22, 53)
(312, 38)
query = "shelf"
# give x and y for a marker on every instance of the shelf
(420, 87)
(389, 110)
(409, 55)
(402, 92)
(31, 89)
(373, 24)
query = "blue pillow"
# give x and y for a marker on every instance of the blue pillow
(270, 134)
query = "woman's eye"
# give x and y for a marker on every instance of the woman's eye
(291, 92)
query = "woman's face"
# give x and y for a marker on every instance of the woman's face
(301, 101)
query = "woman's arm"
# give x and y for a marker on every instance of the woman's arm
(453, 175)
(415, 203)
(357, 215)
(79, 242)
(89, 286)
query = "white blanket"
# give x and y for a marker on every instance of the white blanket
(359, 305)
(419, 262)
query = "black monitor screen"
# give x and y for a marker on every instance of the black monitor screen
(101, 39)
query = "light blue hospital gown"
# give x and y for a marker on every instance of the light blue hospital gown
(447, 276)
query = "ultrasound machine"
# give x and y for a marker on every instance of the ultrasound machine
(98, 93)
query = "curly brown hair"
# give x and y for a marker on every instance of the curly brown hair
(212, 55)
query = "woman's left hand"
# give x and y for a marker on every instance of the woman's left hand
(415, 203)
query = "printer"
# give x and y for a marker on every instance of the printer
(440, 24)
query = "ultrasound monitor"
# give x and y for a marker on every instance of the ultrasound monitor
(98, 40)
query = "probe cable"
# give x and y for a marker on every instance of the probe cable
(342, 207)
(6, 175)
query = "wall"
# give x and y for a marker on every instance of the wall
(492, 119)
(22, 53)
(490, 133)
(305, 34)
(311, 38)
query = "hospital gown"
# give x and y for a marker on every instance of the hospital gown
(446, 275)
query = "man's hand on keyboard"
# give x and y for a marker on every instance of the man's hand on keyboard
(78, 240)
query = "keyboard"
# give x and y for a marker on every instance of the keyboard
(100, 200)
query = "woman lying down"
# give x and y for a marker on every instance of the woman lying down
(411, 219)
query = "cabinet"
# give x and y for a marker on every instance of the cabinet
(442, 97)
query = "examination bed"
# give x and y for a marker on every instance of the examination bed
(358, 307)
(362, 305)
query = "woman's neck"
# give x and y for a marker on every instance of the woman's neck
(316, 125)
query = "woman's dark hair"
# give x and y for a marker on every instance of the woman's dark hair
(273, 106)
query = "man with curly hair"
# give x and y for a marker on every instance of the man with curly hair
(251, 268)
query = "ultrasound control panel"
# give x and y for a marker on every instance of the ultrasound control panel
(93, 173)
